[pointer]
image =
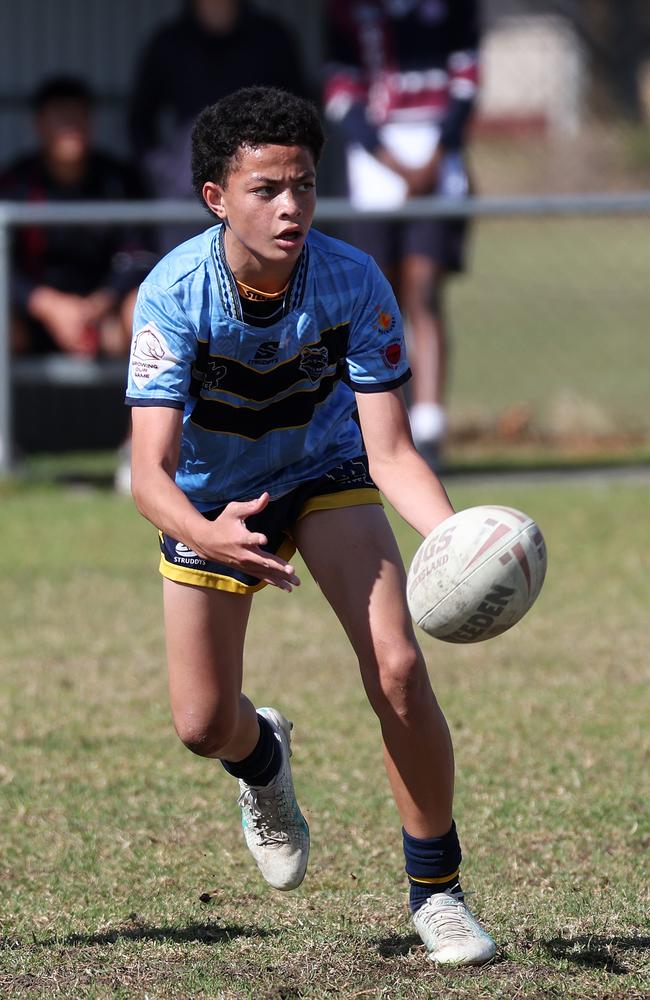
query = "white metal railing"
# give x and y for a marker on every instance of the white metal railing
(13, 214)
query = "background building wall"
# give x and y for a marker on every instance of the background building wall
(99, 40)
(532, 70)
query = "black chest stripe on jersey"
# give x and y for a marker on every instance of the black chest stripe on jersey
(295, 410)
(217, 372)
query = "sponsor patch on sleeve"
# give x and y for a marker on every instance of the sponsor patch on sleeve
(150, 355)
(392, 354)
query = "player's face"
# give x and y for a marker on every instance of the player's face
(268, 205)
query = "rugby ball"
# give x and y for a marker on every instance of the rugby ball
(476, 574)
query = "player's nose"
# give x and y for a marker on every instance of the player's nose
(290, 206)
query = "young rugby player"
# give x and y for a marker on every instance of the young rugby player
(267, 415)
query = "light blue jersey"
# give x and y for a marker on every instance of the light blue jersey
(265, 408)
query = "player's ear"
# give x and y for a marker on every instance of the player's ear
(213, 196)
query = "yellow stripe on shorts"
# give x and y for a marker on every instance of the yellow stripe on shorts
(346, 498)
(217, 581)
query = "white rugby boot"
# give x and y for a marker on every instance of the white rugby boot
(451, 934)
(275, 830)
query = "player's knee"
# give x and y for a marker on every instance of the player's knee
(402, 682)
(207, 736)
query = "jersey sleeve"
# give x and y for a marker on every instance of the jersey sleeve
(163, 350)
(376, 359)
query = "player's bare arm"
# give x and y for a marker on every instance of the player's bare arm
(399, 471)
(156, 441)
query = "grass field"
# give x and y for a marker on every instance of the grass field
(112, 832)
(552, 315)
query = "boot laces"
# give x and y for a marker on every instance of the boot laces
(451, 920)
(269, 812)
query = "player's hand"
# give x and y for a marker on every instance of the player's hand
(233, 544)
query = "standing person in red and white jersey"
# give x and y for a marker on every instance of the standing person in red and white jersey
(401, 81)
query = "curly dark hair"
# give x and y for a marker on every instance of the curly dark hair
(252, 117)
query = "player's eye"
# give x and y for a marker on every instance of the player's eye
(264, 192)
(306, 186)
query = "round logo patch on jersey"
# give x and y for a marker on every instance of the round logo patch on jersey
(392, 354)
(385, 320)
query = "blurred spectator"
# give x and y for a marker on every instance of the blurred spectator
(401, 80)
(212, 49)
(73, 287)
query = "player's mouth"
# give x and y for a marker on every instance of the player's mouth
(289, 238)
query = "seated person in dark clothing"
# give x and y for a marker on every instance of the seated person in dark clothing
(73, 287)
(211, 49)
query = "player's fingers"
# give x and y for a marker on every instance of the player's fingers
(278, 569)
(246, 508)
(285, 569)
(280, 584)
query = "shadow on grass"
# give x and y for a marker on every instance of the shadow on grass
(400, 945)
(397, 944)
(588, 951)
(596, 952)
(205, 933)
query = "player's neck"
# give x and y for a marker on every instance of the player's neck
(257, 294)
(262, 275)
(268, 280)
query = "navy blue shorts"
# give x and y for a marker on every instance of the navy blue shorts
(442, 240)
(346, 485)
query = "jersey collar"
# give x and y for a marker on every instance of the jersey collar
(228, 287)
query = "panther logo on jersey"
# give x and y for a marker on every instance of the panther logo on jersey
(313, 361)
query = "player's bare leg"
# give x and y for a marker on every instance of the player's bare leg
(367, 595)
(421, 288)
(205, 631)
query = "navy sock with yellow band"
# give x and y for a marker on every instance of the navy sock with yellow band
(432, 865)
